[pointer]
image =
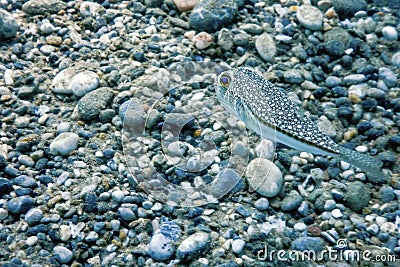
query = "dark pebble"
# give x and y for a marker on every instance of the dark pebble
(197, 211)
(23, 191)
(90, 202)
(339, 91)
(394, 140)
(320, 92)
(387, 157)
(45, 179)
(291, 202)
(374, 133)
(20, 204)
(363, 126)
(108, 153)
(345, 112)
(243, 211)
(5, 186)
(369, 104)
(346, 9)
(25, 181)
(354, 200)
(41, 164)
(335, 48)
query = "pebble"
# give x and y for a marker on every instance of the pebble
(237, 246)
(300, 227)
(373, 229)
(227, 179)
(265, 149)
(33, 216)
(90, 9)
(346, 9)
(161, 247)
(186, 5)
(251, 28)
(333, 81)
(225, 39)
(126, 214)
(330, 204)
(84, 82)
(359, 90)
(353, 199)
(315, 244)
(5, 186)
(210, 15)
(261, 204)
(25, 181)
(291, 201)
(336, 213)
(90, 105)
(202, 40)
(265, 46)
(20, 204)
(396, 59)
(388, 76)
(310, 17)
(386, 194)
(264, 176)
(64, 143)
(30, 241)
(63, 254)
(64, 232)
(390, 33)
(8, 25)
(193, 245)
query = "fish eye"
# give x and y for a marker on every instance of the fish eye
(225, 80)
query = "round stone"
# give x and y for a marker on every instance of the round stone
(264, 176)
(336, 213)
(265, 149)
(33, 216)
(310, 17)
(238, 245)
(396, 59)
(161, 247)
(186, 5)
(261, 204)
(64, 143)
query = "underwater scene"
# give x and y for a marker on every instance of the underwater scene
(199, 133)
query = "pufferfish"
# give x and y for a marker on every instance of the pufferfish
(270, 113)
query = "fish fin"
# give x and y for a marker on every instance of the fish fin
(365, 162)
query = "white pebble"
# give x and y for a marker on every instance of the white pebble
(197, 96)
(30, 241)
(64, 143)
(344, 165)
(362, 149)
(84, 82)
(310, 17)
(390, 33)
(336, 213)
(238, 245)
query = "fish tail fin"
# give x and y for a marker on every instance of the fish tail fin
(365, 162)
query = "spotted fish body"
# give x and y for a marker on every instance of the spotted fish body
(270, 113)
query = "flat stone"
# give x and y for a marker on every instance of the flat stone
(84, 82)
(90, 105)
(63, 254)
(193, 245)
(161, 247)
(310, 17)
(41, 7)
(265, 46)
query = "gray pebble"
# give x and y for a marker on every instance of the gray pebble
(33, 216)
(25, 91)
(22, 122)
(238, 245)
(63, 254)
(115, 225)
(225, 39)
(126, 214)
(118, 196)
(265, 149)
(91, 237)
(90, 9)
(210, 15)
(386, 194)
(241, 149)
(388, 76)
(291, 201)
(376, 93)
(64, 143)
(63, 127)
(354, 79)
(265, 46)
(8, 25)
(261, 204)
(62, 178)
(346, 9)
(310, 17)
(333, 81)
(84, 82)
(41, 7)
(264, 176)
(308, 243)
(26, 160)
(193, 245)
(293, 76)
(90, 105)
(330, 204)
(251, 28)
(326, 216)
(396, 59)
(354, 200)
